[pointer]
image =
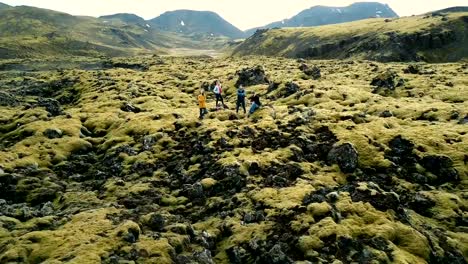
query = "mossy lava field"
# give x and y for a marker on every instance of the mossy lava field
(345, 162)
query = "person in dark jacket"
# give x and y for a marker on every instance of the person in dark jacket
(240, 99)
(255, 99)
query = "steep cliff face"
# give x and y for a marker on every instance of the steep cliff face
(435, 37)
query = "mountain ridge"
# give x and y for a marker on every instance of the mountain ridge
(35, 32)
(125, 17)
(325, 15)
(191, 21)
(433, 38)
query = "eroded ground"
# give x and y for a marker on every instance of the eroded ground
(113, 165)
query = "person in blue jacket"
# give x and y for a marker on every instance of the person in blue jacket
(240, 99)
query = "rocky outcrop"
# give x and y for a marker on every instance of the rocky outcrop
(251, 76)
(313, 72)
(7, 99)
(51, 105)
(387, 82)
(346, 156)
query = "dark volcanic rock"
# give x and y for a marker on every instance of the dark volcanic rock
(126, 65)
(413, 69)
(51, 105)
(7, 99)
(313, 72)
(195, 191)
(273, 86)
(401, 146)
(290, 88)
(53, 133)
(316, 196)
(204, 257)
(386, 114)
(401, 152)
(8, 184)
(422, 204)
(277, 256)
(442, 167)
(387, 82)
(156, 222)
(374, 195)
(236, 254)
(346, 156)
(252, 76)
(128, 107)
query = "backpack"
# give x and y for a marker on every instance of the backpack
(241, 94)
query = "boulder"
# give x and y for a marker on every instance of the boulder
(156, 222)
(51, 105)
(47, 209)
(52, 133)
(204, 257)
(251, 76)
(386, 114)
(236, 254)
(128, 107)
(273, 86)
(422, 204)
(387, 82)
(374, 195)
(442, 167)
(413, 69)
(313, 72)
(8, 183)
(290, 88)
(346, 156)
(277, 256)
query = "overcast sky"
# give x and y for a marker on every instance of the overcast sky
(244, 14)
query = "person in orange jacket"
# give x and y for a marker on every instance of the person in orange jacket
(202, 103)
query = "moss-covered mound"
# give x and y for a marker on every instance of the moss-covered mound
(113, 165)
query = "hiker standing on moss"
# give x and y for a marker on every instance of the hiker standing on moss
(218, 91)
(240, 99)
(255, 99)
(202, 103)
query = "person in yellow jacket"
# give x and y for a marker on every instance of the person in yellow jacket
(202, 103)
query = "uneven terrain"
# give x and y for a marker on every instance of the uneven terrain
(435, 37)
(106, 161)
(29, 32)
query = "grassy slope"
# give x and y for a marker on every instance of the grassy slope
(369, 39)
(29, 32)
(92, 218)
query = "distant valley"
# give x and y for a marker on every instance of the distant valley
(362, 30)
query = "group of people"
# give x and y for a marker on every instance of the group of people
(241, 95)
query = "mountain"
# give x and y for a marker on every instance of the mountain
(196, 22)
(455, 9)
(325, 15)
(30, 32)
(2, 5)
(433, 37)
(125, 18)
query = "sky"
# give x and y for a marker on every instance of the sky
(243, 14)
